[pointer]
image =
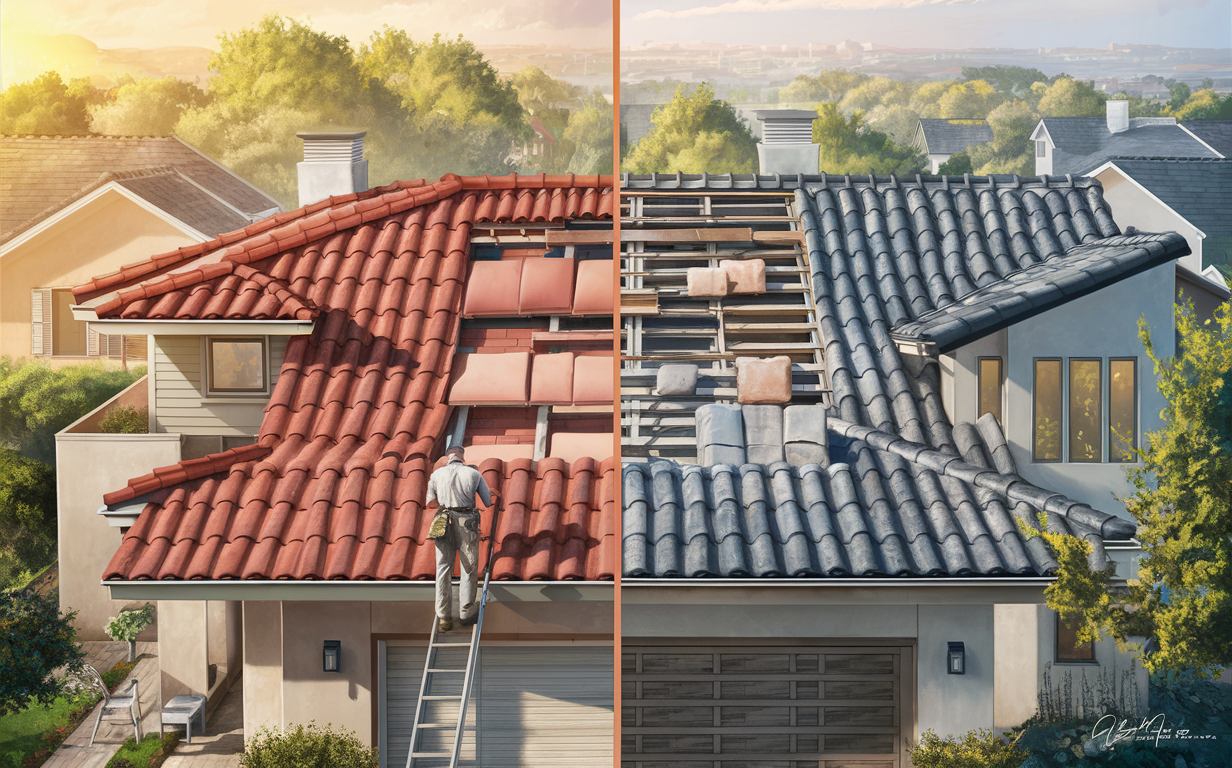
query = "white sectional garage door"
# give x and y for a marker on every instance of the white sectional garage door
(538, 705)
(769, 707)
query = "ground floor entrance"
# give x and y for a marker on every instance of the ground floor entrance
(727, 704)
(537, 704)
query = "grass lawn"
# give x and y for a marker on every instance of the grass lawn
(149, 753)
(24, 733)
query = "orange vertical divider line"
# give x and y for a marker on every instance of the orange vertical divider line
(619, 506)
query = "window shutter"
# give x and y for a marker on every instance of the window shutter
(40, 322)
(113, 345)
(93, 340)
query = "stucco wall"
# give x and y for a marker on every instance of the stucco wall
(109, 233)
(1102, 324)
(88, 466)
(955, 704)
(960, 375)
(1016, 663)
(309, 693)
(1133, 206)
(262, 666)
(1110, 662)
(182, 645)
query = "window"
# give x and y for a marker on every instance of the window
(1085, 412)
(990, 387)
(236, 364)
(1041, 148)
(1068, 647)
(1122, 409)
(1046, 442)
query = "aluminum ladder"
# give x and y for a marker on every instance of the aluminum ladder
(421, 727)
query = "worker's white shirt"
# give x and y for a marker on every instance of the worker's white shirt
(455, 485)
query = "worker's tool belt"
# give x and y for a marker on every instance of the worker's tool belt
(441, 528)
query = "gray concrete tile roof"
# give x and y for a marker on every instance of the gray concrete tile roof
(1216, 133)
(1082, 144)
(1198, 189)
(938, 136)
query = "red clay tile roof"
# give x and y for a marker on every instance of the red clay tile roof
(333, 487)
(557, 522)
(496, 379)
(593, 293)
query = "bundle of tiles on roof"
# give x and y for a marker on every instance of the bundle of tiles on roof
(523, 378)
(761, 434)
(731, 277)
(539, 286)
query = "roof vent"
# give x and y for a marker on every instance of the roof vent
(1117, 115)
(333, 164)
(787, 141)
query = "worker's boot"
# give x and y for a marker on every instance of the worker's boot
(468, 622)
(444, 625)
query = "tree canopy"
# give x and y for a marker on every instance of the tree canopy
(850, 146)
(695, 132)
(47, 106)
(1016, 81)
(146, 107)
(1182, 597)
(35, 640)
(1071, 98)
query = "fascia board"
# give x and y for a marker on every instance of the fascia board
(374, 591)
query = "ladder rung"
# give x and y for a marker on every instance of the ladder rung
(442, 698)
(439, 726)
(456, 671)
(451, 645)
(431, 754)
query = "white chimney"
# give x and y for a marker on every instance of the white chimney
(333, 164)
(787, 141)
(1118, 115)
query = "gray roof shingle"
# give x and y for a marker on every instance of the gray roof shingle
(1198, 189)
(946, 137)
(171, 191)
(1084, 143)
(1216, 133)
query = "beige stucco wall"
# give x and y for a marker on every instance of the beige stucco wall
(88, 466)
(182, 647)
(107, 234)
(284, 682)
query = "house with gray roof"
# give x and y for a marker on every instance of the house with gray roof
(941, 139)
(1075, 146)
(846, 405)
(1190, 196)
(1216, 134)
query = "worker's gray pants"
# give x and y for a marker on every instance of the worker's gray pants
(464, 543)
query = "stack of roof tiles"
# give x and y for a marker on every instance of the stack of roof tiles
(334, 487)
(905, 493)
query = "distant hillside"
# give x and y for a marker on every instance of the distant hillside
(24, 56)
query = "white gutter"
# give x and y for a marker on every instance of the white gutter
(193, 327)
(375, 591)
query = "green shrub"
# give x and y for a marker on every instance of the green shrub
(150, 753)
(126, 420)
(976, 749)
(129, 624)
(307, 746)
(35, 640)
(116, 675)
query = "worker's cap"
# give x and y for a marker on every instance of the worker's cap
(455, 451)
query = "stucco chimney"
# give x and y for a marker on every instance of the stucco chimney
(787, 141)
(1117, 115)
(333, 164)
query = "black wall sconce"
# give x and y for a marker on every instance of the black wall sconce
(956, 659)
(333, 656)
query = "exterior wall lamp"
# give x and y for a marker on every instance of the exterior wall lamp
(956, 659)
(333, 656)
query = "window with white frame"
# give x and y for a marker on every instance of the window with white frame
(237, 365)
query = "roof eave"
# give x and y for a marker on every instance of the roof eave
(333, 589)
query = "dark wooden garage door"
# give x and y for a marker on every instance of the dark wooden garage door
(762, 707)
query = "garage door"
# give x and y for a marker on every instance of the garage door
(538, 705)
(769, 707)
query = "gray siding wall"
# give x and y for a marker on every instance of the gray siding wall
(181, 403)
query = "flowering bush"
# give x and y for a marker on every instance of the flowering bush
(129, 624)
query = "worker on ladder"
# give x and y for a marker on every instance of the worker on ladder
(456, 531)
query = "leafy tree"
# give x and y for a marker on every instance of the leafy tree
(37, 401)
(1182, 503)
(898, 122)
(46, 106)
(537, 90)
(35, 640)
(27, 515)
(146, 107)
(850, 146)
(1071, 98)
(1205, 105)
(927, 98)
(958, 164)
(1180, 94)
(829, 85)
(695, 132)
(590, 132)
(877, 92)
(974, 99)
(1140, 107)
(1010, 148)
(1015, 81)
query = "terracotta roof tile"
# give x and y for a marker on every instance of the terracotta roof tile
(592, 380)
(493, 379)
(488, 287)
(333, 488)
(551, 379)
(592, 294)
(547, 287)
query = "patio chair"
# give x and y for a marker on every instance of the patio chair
(129, 702)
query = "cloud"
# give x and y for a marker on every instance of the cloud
(774, 6)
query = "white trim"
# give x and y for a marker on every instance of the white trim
(1218, 154)
(194, 327)
(375, 591)
(1040, 126)
(110, 187)
(230, 173)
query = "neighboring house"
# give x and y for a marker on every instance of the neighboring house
(1216, 134)
(893, 380)
(1075, 146)
(75, 207)
(941, 139)
(314, 367)
(1189, 196)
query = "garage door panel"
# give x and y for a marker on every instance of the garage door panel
(798, 707)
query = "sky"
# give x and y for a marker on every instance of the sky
(931, 23)
(157, 23)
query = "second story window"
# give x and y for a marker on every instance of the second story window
(1041, 148)
(1122, 409)
(1085, 412)
(1046, 438)
(236, 365)
(990, 387)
